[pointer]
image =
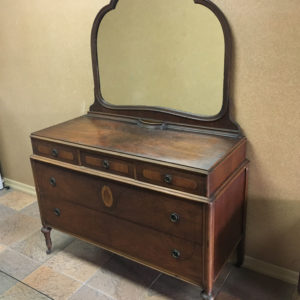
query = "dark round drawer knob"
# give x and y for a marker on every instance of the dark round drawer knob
(52, 181)
(105, 164)
(175, 253)
(168, 178)
(174, 218)
(54, 153)
(56, 212)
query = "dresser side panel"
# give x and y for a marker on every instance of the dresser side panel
(228, 220)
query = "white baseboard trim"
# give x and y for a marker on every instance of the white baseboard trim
(249, 263)
(29, 189)
(271, 270)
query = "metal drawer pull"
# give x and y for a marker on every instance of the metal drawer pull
(57, 212)
(174, 218)
(105, 164)
(175, 253)
(54, 152)
(168, 178)
(52, 181)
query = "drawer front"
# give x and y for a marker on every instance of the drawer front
(175, 179)
(107, 164)
(157, 249)
(55, 151)
(165, 213)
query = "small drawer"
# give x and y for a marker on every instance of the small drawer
(172, 178)
(55, 151)
(106, 163)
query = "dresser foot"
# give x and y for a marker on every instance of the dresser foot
(46, 231)
(206, 296)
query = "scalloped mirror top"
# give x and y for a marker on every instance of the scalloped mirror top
(167, 54)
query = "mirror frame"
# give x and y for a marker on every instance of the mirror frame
(220, 122)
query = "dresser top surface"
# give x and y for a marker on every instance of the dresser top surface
(195, 150)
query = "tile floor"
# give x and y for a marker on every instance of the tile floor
(77, 270)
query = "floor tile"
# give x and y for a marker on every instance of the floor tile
(123, 279)
(2, 248)
(16, 264)
(243, 284)
(31, 210)
(5, 212)
(4, 191)
(51, 283)
(17, 227)
(79, 260)
(167, 288)
(16, 200)
(296, 295)
(6, 282)
(22, 292)
(34, 246)
(88, 293)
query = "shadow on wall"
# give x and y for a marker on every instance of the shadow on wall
(273, 229)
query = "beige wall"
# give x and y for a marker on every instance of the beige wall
(45, 78)
(45, 72)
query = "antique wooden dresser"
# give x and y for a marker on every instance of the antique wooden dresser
(164, 187)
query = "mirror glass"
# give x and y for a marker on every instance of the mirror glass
(163, 53)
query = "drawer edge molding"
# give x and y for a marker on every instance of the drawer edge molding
(122, 179)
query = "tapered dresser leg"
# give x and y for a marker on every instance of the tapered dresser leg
(46, 231)
(240, 253)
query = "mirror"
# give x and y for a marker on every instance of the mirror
(164, 53)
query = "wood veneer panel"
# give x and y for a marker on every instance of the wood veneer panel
(55, 151)
(228, 220)
(179, 179)
(113, 164)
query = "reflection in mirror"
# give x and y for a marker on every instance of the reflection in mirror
(166, 53)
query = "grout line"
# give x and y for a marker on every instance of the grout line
(25, 285)
(96, 290)
(83, 283)
(75, 290)
(25, 256)
(154, 280)
(151, 284)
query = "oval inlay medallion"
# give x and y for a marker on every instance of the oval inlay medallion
(107, 196)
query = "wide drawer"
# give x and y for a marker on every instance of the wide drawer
(174, 255)
(55, 151)
(178, 217)
(172, 178)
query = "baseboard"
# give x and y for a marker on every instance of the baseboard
(271, 270)
(29, 189)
